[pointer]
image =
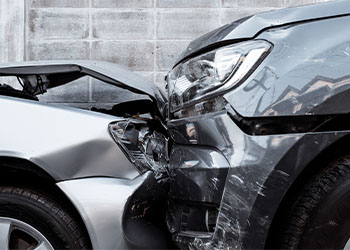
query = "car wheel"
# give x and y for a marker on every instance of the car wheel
(30, 219)
(319, 218)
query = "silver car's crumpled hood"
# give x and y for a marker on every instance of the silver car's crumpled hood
(249, 27)
(59, 72)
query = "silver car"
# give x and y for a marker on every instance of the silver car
(66, 177)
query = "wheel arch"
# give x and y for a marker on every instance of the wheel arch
(322, 158)
(11, 166)
(19, 171)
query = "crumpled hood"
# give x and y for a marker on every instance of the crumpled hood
(60, 72)
(249, 27)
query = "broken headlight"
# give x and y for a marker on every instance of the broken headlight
(212, 72)
(146, 148)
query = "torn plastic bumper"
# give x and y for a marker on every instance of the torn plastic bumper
(251, 160)
(197, 180)
(144, 218)
(197, 173)
(184, 190)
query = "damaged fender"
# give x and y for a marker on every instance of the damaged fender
(261, 170)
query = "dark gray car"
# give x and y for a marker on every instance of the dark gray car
(248, 150)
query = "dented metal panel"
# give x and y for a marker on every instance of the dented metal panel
(59, 72)
(66, 142)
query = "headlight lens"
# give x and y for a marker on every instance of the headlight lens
(217, 70)
(145, 147)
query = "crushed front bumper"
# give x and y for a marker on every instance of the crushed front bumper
(221, 190)
(247, 162)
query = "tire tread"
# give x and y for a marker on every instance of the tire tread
(53, 207)
(309, 198)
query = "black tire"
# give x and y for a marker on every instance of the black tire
(45, 214)
(319, 218)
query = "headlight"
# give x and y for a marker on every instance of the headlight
(215, 71)
(145, 147)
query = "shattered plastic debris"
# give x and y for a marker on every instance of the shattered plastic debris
(144, 146)
(154, 146)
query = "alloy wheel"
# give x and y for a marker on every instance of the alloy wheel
(16, 234)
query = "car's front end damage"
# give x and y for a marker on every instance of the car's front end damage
(241, 143)
(250, 107)
(111, 163)
(237, 181)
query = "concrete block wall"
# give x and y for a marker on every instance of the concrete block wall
(144, 35)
